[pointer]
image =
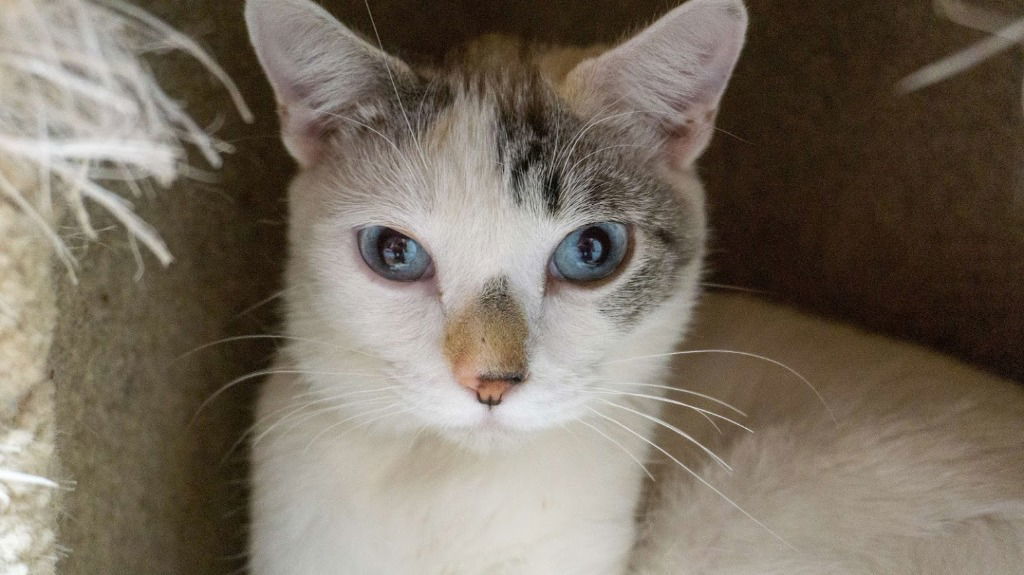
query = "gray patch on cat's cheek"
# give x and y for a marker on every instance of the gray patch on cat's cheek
(670, 231)
(668, 226)
(651, 281)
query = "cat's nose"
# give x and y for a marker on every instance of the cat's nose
(485, 343)
(490, 388)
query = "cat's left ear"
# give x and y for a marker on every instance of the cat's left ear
(663, 86)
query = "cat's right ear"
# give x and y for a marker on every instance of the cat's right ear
(318, 69)
(663, 86)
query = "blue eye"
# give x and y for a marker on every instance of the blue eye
(591, 253)
(394, 255)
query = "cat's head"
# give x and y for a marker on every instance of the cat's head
(480, 249)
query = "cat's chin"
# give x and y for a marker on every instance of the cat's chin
(486, 437)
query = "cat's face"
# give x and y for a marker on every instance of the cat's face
(481, 251)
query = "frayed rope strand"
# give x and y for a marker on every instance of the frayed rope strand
(77, 101)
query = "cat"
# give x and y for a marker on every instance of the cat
(491, 262)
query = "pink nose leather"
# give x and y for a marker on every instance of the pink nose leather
(490, 389)
(491, 392)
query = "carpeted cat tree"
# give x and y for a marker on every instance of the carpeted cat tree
(829, 190)
(85, 130)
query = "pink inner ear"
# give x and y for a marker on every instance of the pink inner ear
(690, 135)
(303, 132)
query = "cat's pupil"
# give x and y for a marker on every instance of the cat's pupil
(396, 250)
(591, 246)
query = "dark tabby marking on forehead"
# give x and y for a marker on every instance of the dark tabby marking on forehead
(588, 167)
(531, 164)
(528, 134)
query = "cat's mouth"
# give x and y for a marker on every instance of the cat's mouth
(491, 412)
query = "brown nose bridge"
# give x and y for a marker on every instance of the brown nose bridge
(488, 337)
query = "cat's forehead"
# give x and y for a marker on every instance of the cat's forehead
(503, 137)
(515, 130)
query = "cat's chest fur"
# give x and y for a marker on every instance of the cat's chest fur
(564, 505)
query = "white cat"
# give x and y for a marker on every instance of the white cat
(490, 263)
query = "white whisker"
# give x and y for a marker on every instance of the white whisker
(696, 476)
(265, 372)
(384, 410)
(792, 371)
(363, 125)
(338, 404)
(706, 417)
(327, 429)
(292, 416)
(290, 408)
(378, 418)
(682, 390)
(268, 299)
(729, 287)
(408, 163)
(598, 151)
(394, 86)
(589, 126)
(560, 151)
(706, 413)
(266, 336)
(620, 446)
(672, 428)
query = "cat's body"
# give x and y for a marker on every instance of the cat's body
(920, 472)
(490, 265)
